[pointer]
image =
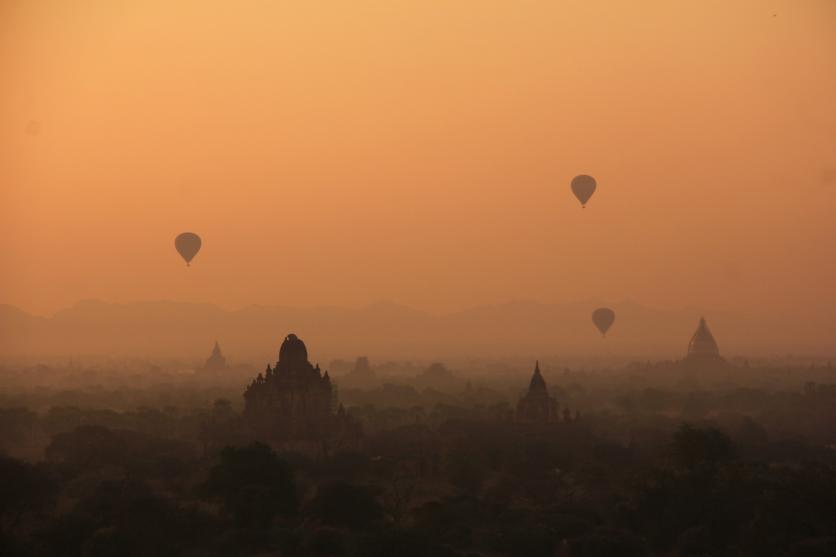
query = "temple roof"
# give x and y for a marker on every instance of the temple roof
(216, 360)
(702, 343)
(537, 405)
(362, 368)
(293, 350)
(538, 384)
(293, 371)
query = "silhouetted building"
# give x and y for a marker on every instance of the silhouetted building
(437, 372)
(537, 405)
(437, 376)
(295, 401)
(216, 360)
(703, 348)
(361, 375)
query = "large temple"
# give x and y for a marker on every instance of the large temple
(295, 401)
(703, 348)
(537, 405)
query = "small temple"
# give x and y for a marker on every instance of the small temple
(295, 400)
(216, 360)
(537, 405)
(703, 348)
(361, 374)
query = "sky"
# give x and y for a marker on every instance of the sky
(420, 152)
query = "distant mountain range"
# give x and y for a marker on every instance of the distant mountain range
(386, 331)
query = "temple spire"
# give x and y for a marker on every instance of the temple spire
(538, 384)
(216, 360)
(702, 344)
(537, 404)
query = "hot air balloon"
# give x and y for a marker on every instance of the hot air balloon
(583, 187)
(187, 244)
(603, 319)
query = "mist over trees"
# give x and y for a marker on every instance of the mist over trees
(645, 459)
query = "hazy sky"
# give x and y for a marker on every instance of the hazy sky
(421, 152)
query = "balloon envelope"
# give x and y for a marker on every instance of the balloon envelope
(603, 319)
(187, 244)
(583, 187)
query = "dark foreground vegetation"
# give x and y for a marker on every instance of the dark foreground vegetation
(650, 472)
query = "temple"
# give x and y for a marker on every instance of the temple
(703, 348)
(216, 360)
(361, 375)
(295, 401)
(437, 376)
(537, 405)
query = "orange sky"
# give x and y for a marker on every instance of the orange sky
(419, 152)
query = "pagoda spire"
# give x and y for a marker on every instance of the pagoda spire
(538, 384)
(702, 344)
(216, 360)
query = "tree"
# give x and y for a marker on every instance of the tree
(400, 491)
(345, 505)
(694, 448)
(23, 489)
(254, 484)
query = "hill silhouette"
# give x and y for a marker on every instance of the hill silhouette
(382, 330)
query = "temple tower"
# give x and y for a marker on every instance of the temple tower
(702, 346)
(537, 405)
(216, 360)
